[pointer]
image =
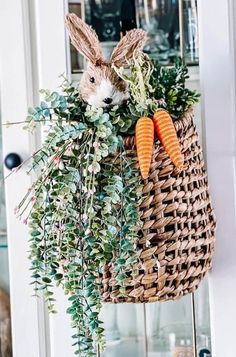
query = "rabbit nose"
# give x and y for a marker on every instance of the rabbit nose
(107, 100)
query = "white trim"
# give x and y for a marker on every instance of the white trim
(53, 60)
(51, 43)
(217, 78)
(16, 95)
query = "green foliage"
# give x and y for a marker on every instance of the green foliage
(170, 90)
(82, 208)
(138, 80)
(151, 87)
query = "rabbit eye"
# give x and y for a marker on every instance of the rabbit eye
(92, 79)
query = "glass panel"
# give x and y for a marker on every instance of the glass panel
(160, 18)
(193, 83)
(168, 332)
(190, 23)
(169, 328)
(110, 18)
(107, 18)
(202, 312)
(124, 324)
(77, 61)
(4, 273)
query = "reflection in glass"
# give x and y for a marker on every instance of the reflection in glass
(109, 18)
(104, 17)
(169, 327)
(109, 316)
(126, 330)
(160, 18)
(190, 31)
(77, 60)
(202, 312)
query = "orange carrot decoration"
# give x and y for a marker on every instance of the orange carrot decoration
(144, 136)
(166, 133)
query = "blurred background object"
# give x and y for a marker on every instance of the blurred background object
(5, 325)
(172, 26)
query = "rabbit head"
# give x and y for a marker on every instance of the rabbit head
(100, 86)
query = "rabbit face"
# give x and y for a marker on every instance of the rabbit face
(100, 86)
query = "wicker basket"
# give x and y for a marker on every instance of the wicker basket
(177, 243)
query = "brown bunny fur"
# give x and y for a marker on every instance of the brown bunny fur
(100, 85)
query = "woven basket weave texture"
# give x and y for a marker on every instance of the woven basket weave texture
(178, 225)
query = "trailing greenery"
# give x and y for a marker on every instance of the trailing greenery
(82, 209)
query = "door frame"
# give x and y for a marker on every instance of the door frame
(218, 88)
(28, 320)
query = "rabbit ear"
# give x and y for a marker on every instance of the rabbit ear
(84, 38)
(133, 41)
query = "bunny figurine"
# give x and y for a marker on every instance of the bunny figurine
(100, 86)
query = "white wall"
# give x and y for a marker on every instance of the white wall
(217, 76)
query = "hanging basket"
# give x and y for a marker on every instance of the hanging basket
(178, 225)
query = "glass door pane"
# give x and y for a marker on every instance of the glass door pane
(169, 328)
(77, 61)
(110, 18)
(190, 30)
(202, 313)
(160, 18)
(161, 329)
(125, 332)
(172, 26)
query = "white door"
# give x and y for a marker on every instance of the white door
(34, 52)
(17, 93)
